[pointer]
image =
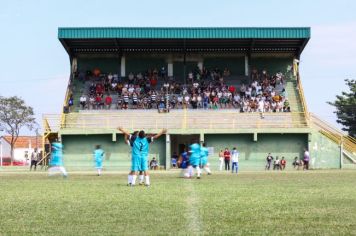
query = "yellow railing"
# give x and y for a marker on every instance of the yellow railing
(348, 142)
(181, 120)
(302, 97)
(66, 98)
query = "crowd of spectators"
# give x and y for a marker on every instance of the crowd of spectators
(202, 89)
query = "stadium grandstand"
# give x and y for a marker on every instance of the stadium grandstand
(226, 87)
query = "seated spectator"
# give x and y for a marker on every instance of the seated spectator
(174, 160)
(153, 164)
(108, 101)
(96, 72)
(283, 163)
(277, 164)
(83, 101)
(297, 163)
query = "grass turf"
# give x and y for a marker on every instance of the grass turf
(252, 203)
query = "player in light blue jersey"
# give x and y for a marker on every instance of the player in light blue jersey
(194, 160)
(56, 161)
(98, 158)
(140, 150)
(204, 153)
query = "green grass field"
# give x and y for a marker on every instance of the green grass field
(252, 203)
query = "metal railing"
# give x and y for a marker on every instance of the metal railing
(334, 134)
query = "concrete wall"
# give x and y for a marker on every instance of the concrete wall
(78, 151)
(253, 154)
(324, 152)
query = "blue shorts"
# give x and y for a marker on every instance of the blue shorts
(143, 166)
(98, 164)
(135, 164)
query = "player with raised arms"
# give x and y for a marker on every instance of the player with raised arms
(140, 149)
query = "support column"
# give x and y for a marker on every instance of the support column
(341, 155)
(170, 69)
(255, 137)
(246, 65)
(123, 66)
(168, 151)
(201, 138)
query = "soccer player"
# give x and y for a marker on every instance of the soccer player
(194, 159)
(98, 158)
(204, 153)
(140, 150)
(184, 163)
(56, 162)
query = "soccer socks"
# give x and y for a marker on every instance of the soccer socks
(147, 180)
(140, 178)
(64, 172)
(207, 169)
(129, 179)
(99, 171)
(198, 171)
(133, 179)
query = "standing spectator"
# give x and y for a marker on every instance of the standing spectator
(235, 160)
(283, 163)
(269, 159)
(227, 157)
(221, 159)
(34, 159)
(306, 159)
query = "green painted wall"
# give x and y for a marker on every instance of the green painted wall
(78, 151)
(142, 64)
(271, 64)
(324, 152)
(253, 154)
(178, 69)
(105, 64)
(236, 65)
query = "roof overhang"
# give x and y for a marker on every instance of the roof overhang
(120, 40)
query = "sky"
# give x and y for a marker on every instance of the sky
(35, 66)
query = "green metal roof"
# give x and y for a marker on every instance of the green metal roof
(183, 33)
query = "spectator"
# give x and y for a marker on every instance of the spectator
(306, 159)
(83, 101)
(34, 159)
(276, 164)
(235, 160)
(283, 163)
(227, 157)
(108, 101)
(221, 159)
(269, 159)
(153, 164)
(70, 103)
(174, 160)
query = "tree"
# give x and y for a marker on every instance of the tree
(14, 115)
(345, 105)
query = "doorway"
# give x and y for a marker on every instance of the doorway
(179, 142)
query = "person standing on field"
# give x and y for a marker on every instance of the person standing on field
(227, 158)
(306, 159)
(235, 160)
(221, 159)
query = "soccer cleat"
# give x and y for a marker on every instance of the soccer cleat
(209, 174)
(147, 185)
(141, 183)
(198, 177)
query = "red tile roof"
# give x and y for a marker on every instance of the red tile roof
(24, 141)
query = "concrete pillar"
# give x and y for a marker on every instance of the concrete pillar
(255, 137)
(201, 138)
(170, 69)
(168, 151)
(246, 66)
(123, 66)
